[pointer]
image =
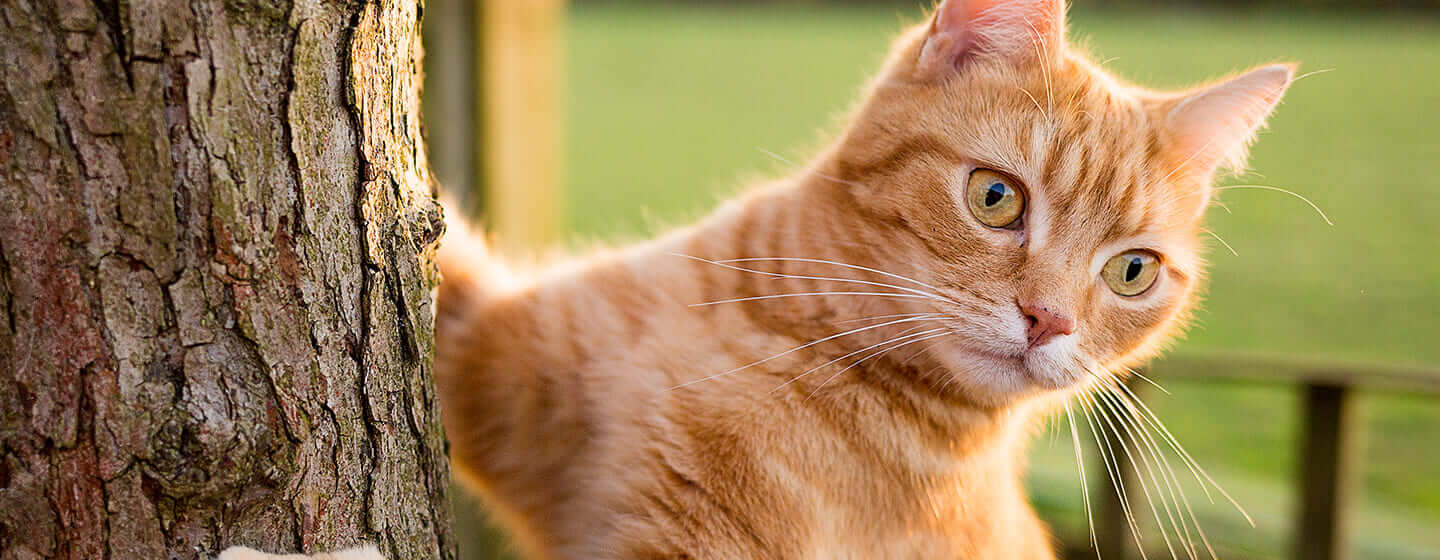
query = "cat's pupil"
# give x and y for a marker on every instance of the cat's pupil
(1133, 271)
(994, 194)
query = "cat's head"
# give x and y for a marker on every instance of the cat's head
(1058, 207)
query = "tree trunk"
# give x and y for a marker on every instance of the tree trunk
(215, 284)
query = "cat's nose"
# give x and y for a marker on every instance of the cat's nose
(1045, 323)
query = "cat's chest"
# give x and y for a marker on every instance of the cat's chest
(926, 527)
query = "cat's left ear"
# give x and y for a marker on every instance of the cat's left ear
(964, 31)
(1212, 128)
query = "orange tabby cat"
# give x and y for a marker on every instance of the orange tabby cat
(1000, 226)
(1037, 222)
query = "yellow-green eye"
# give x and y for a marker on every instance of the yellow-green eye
(1132, 272)
(994, 199)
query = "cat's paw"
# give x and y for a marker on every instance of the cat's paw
(242, 553)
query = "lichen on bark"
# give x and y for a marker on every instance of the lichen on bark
(215, 314)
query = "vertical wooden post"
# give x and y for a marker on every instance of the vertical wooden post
(519, 67)
(450, 99)
(1329, 460)
(1112, 530)
(492, 118)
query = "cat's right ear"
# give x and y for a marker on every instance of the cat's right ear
(963, 32)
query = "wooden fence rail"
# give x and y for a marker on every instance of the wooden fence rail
(1329, 447)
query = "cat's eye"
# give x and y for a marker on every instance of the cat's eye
(1132, 272)
(994, 199)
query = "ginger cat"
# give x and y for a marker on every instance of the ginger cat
(848, 363)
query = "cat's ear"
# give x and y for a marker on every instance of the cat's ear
(1212, 128)
(962, 31)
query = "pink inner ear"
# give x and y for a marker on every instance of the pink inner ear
(1011, 30)
(956, 14)
(1216, 125)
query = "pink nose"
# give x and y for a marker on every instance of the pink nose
(1045, 323)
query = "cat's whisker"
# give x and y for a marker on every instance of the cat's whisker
(1162, 483)
(1146, 379)
(922, 352)
(899, 336)
(1033, 100)
(834, 263)
(1132, 401)
(726, 264)
(1312, 73)
(1155, 446)
(1203, 148)
(1222, 242)
(803, 294)
(1131, 456)
(1037, 42)
(1084, 485)
(875, 355)
(802, 347)
(1285, 191)
(782, 159)
(1195, 467)
(878, 317)
(1112, 468)
(1112, 471)
(1118, 400)
(865, 349)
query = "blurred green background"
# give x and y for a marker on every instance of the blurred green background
(672, 107)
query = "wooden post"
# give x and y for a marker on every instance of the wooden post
(492, 116)
(1112, 530)
(1329, 460)
(451, 98)
(520, 153)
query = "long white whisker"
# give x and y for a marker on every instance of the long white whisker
(1222, 242)
(802, 347)
(1135, 400)
(936, 297)
(803, 294)
(1134, 464)
(1112, 468)
(834, 263)
(1148, 380)
(872, 346)
(1084, 486)
(1170, 505)
(1286, 191)
(1119, 399)
(1195, 467)
(922, 351)
(782, 159)
(1184, 163)
(1141, 439)
(877, 317)
(876, 354)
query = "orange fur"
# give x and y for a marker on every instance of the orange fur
(584, 403)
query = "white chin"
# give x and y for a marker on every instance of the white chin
(1053, 365)
(999, 379)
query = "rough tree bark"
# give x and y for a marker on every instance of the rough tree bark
(215, 292)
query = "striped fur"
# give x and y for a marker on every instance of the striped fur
(603, 415)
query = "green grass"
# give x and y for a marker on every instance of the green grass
(670, 107)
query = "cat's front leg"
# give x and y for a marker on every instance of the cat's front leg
(360, 553)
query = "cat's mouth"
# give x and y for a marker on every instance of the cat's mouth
(1049, 367)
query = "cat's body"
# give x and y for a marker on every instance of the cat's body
(848, 363)
(570, 408)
